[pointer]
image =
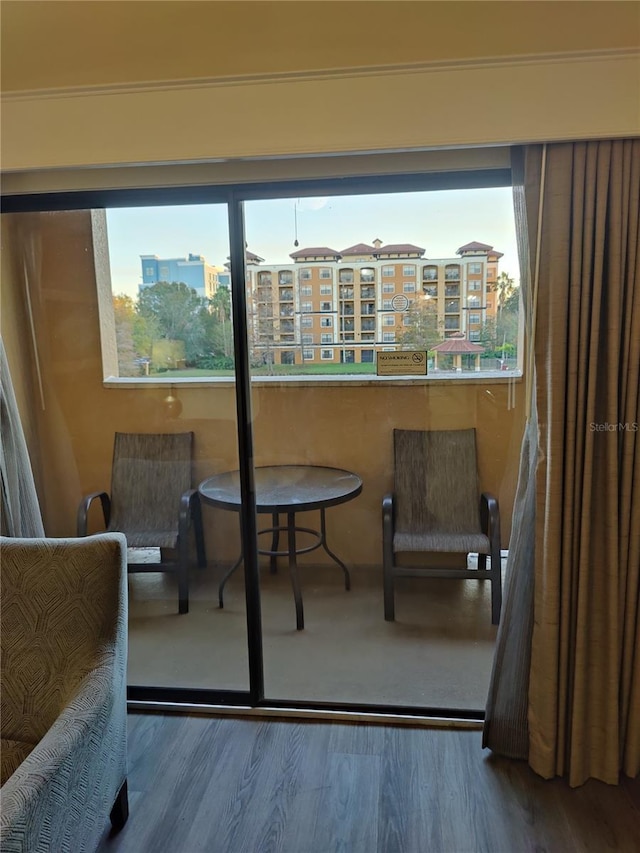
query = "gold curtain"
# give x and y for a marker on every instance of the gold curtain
(584, 686)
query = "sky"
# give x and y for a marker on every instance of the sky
(440, 222)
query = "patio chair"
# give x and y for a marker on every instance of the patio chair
(152, 503)
(437, 508)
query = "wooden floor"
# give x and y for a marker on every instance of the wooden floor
(252, 786)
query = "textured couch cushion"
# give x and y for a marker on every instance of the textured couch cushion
(13, 753)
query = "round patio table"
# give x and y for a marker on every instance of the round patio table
(286, 489)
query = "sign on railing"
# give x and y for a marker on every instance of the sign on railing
(402, 363)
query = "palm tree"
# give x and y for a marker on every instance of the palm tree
(504, 286)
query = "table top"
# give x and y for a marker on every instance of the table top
(284, 488)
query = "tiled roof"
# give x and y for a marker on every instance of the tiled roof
(315, 251)
(252, 257)
(470, 247)
(398, 249)
(358, 249)
(457, 345)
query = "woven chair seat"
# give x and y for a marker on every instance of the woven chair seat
(459, 543)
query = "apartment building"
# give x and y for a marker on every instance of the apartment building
(331, 306)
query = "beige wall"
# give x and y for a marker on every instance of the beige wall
(121, 83)
(67, 44)
(346, 426)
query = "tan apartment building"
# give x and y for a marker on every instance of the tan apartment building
(331, 306)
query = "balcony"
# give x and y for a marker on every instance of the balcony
(346, 308)
(287, 311)
(286, 296)
(346, 293)
(285, 278)
(345, 277)
(367, 293)
(345, 423)
(430, 274)
(367, 308)
(367, 276)
(452, 306)
(347, 325)
(452, 290)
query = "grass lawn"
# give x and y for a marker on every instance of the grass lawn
(276, 370)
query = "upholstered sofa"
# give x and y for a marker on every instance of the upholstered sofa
(63, 724)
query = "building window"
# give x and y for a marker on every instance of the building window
(474, 335)
(326, 354)
(473, 302)
(148, 270)
(387, 337)
(306, 322)
(366, 356)
(388, 271)
(388, 287)
(348, 356)
(304, 274)
(325, 273)
(307, 354)
(430, 273)
(409, 286)
(306, 306)
(287, 358)
(326, 338)
(327, 322)
(285, 277)
(474, 319)
(326, 290)
(164, 273)
(475, 285)
(386, 304)
(345, 276)
(388, 320)
(407, 320)
(367, 275)
(409, 269)
(326, 306)
(307, 339)
(305, 290)
(475, 269)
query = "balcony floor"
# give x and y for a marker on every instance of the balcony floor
(438, 653)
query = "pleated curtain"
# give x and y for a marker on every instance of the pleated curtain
(20, 509)
(581, 671)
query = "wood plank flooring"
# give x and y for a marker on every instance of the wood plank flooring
(260, 786)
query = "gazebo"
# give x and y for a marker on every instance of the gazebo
(457, 346)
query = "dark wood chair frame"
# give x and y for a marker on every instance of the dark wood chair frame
(189, 516)
(490, 524)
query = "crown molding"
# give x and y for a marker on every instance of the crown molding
(435, 66)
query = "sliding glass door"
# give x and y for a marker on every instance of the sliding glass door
(292, 331)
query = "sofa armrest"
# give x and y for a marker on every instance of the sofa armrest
(60, 797)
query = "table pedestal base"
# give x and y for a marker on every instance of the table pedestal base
(292, 553)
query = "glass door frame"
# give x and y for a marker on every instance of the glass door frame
(234, 197)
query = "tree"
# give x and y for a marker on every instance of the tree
(124, 314)
(423, 330)
(221, 331)
(175, 312)
(504, 287)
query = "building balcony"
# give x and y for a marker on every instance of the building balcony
(346, 293)
(367, 308)
(368, 325)
(346, 308)
(367, 293)
(286, 296)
